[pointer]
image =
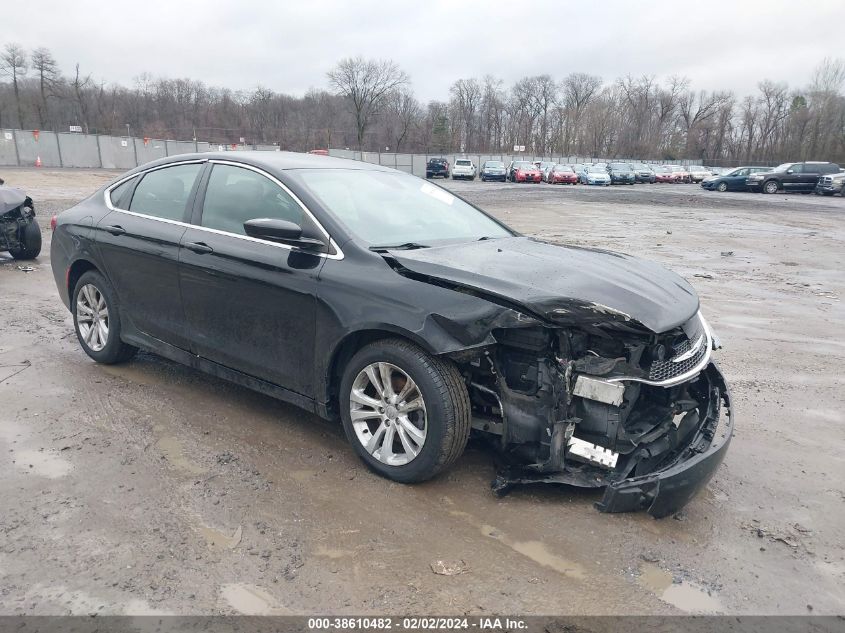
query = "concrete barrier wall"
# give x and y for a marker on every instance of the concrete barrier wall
(116, 152)
(79, 150)
(21, 147)
(30, 148)
(8, 149)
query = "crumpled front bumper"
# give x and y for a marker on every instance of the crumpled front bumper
(666, 491)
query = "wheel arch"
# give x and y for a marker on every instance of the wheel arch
(78, 268)
(348, 346)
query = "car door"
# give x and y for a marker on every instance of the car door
(809, 176)
(250, 303)
(736, 181)
(138, 244)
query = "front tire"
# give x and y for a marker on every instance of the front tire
(96, 319)
(722, 187)
(30, 242)
(405, 412)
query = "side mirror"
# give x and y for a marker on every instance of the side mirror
(280, 231)
(790, 171)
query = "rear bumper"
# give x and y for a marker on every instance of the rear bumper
(669, 489)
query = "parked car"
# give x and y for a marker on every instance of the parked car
(523, 171)
(562, 174)
(664, 174)
(681, 174)
(643, 173)
(797, 177)
(733, 180)
(595, 175)
(20, 234)
(621, 174)
(545, 167)
(463, 169)
(493, 170)
(437, 167)
(362, 293)
(831, 184)
(697, 173)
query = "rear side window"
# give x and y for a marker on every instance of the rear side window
(119, 194)
(163, 193)
(235, 195)
(829, 169)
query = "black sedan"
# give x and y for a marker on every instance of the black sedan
(362, 293)
(733, 180)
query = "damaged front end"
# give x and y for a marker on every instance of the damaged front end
(604, 402)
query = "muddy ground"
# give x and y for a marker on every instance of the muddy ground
(152, 488)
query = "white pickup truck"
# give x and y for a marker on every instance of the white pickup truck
(463, 168)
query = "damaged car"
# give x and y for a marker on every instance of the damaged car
(362, 293)
(20, 234)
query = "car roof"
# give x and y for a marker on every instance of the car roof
(273, 161)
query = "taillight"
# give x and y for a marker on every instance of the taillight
(53, 223)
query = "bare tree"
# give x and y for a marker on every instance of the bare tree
(47, 72)
(578, 89)
(366, 84)
(13, 64)
(403, 112)
(465, 103)
(79, 85)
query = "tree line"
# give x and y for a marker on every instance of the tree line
(369, 104)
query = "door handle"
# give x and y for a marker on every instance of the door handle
(199, 247)
(115, 229)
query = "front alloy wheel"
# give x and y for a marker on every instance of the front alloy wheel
(388, 414)
(405, 412)
(770, 187)
(723, 187)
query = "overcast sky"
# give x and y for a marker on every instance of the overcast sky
(289, 46)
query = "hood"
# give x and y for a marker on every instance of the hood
(563, 284)
(10, 198)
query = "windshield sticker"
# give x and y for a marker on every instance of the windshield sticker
(437, 193)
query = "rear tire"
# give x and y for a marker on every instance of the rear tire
(30, 242)
(93, 291)
(770, 186)
(445, 414)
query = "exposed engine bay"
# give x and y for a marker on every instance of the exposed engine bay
(19, 231)
(597, 405)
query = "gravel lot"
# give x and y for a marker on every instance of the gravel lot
(151, 488)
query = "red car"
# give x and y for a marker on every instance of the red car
(664, 174)
(562, 174)
(524, 171)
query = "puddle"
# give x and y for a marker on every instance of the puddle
(43, 463)
(538, 552)
(684, 595)
(251, 600)
(219, 540)
(131, 373)
(326, 552)
(172, 450)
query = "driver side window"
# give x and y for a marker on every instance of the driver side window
(235, 195)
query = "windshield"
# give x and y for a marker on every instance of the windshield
(563, 168)
(596, 170)
(523, 164)
(783, 167)
(463, 163)
(620, 166)
(388, 208)
(660, 170)
(641, 167)
(494, 164)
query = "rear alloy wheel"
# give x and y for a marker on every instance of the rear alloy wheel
(722, 186)
(770, 186)
(96, 320)
(405, 412)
